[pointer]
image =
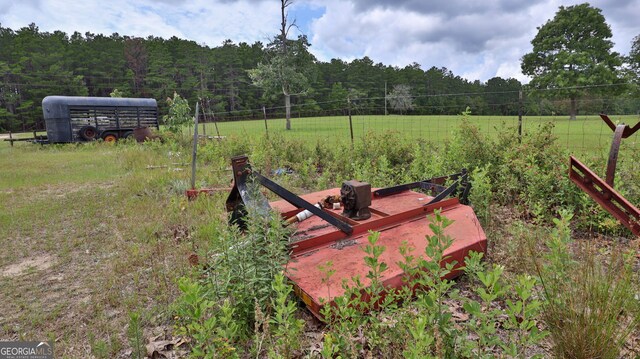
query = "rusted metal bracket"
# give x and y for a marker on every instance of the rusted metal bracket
(602, 191)
(605, 195)
(243, 197)
(619, 132)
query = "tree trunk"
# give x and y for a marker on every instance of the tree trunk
(574, 108)
(287, 105)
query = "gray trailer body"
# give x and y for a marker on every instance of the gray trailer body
(71, 119)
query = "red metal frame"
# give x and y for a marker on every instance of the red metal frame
(399, 217)
(603, 193)
(193, 193)
(619, 132)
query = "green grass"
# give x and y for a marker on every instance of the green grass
(105, 226)
(587, 133)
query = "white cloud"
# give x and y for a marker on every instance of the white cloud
(477, 43)
(199, 20)
(477, 40)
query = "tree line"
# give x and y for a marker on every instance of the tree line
(35, 64)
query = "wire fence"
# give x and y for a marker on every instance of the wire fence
(587, 132)
(432, 118)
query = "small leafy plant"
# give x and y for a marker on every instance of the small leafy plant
(287, 329)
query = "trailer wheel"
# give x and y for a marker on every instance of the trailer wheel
(110, 137)
(127, 134)
(88, 133)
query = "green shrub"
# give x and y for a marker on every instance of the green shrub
(424, 328)
(481, 195)
(287, 329)
(179, 113)
(590, 307)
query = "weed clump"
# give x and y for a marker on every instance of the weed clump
(590, 307)
(420, 323)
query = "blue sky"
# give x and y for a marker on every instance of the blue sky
(475, 39)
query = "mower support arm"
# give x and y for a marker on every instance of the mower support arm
(301, 203)
(435, 185)
(241, 196)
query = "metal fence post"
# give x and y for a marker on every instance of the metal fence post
(204, 123)
(350, 122)
(264, 114)
(195, 148)
(520, 116)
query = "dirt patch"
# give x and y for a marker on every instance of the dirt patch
(39, 263)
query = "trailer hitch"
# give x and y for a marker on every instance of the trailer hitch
(602, 191)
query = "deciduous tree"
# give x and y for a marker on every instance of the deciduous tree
(287, 67)
(634, 62)
(400, 98)
(571, 51)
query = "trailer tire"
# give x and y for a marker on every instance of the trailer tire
(110, 137)
(127, 134)
(88, 133)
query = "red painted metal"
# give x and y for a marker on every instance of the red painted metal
(619, 132)
(400, 217)
(628, 130)
(193, 193)
(613, 154)
(605, 195)
(602, 191)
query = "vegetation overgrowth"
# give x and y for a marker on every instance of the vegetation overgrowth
(117, 235)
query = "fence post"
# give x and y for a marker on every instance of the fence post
(11, 138)
(264, 115)
(520, 116)
(215, 124)
(350, 122)
(204, 118)
(195, 148)
(385, 99)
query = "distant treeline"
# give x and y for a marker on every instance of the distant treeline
(35, 64)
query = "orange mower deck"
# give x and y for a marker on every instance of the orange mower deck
(398, 217)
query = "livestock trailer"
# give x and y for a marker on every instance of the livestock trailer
(77, 119)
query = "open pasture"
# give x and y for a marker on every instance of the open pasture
(587, 133)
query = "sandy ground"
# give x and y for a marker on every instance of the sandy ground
(38, 263)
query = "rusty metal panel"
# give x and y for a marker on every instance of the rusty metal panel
(399, 217)
(605, 195)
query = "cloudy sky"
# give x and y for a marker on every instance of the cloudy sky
(474, 39)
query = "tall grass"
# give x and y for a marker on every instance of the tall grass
(590, 307)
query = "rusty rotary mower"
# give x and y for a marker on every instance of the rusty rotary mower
(333, 225)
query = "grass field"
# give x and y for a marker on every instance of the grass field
(586, 133)
(90, 236)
